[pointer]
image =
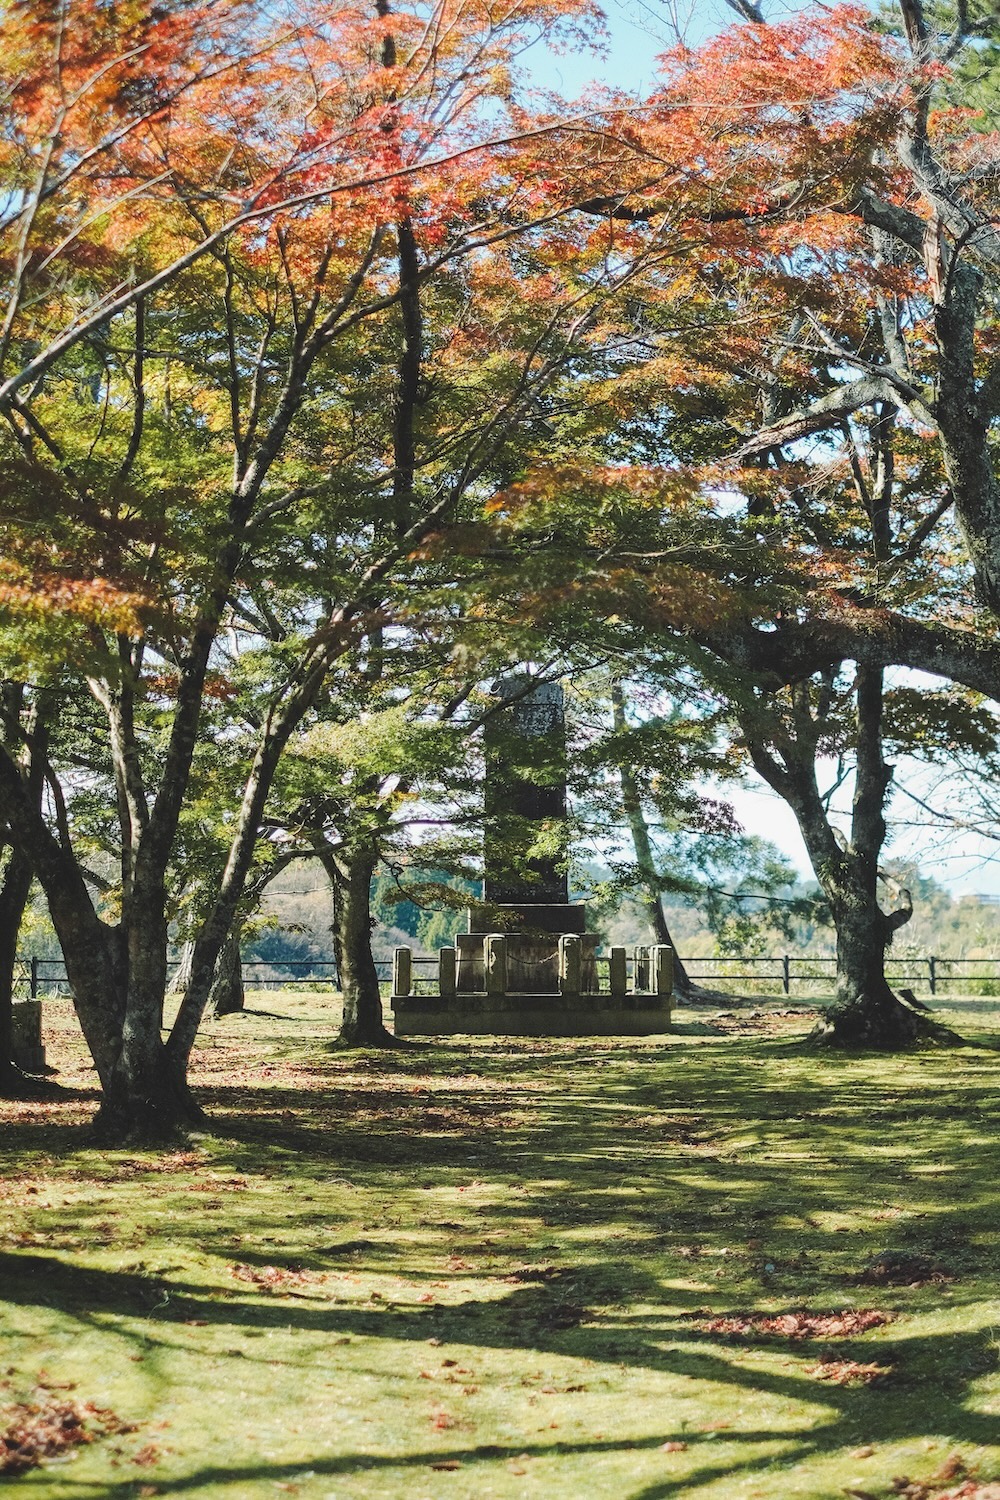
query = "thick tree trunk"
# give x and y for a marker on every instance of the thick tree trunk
(227, 997)
(865, 1013)
(362, 1025)
(18, 874)
(146, 1101)
(145, 1098)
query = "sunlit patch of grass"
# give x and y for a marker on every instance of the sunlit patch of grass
(492, 1268)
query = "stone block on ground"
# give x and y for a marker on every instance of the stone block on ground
(28, 1049)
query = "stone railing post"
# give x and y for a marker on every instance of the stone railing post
(402, 971)
(495, 962)
(663, 969)
(570, 964)
(447, 973)
(617, 973)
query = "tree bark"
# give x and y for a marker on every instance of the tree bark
(18, 874)
(362, 1024)
(146, 1101)
(13, 900)
(182, 974)
(227, 997)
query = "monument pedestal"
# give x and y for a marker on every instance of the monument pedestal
(475, 992)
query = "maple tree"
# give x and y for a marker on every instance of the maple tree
(185, 419)
(813, 389)
(889, 351)
(307, 315)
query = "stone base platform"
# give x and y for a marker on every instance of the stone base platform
(564, 998)
(531, 1015)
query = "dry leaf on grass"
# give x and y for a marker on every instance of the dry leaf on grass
(798, 1325)
(849, 1372)
(273, 1278)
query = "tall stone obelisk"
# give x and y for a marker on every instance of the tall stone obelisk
(524, 889)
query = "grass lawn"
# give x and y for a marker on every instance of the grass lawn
(515, 1268)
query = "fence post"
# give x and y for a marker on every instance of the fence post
(786, 974)
(495, 957)
(33, 982)
(570, 964)
(663, 969)
(617, 973)
(446, 973)
(932, 965)
(402, 971)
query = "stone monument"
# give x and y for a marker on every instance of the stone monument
(526, 965)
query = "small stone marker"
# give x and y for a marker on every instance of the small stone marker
(29, 1053)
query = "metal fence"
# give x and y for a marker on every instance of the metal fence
(935, 974)
(785, 973)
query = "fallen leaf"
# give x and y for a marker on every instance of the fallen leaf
(954, 1467)
(849, 1372)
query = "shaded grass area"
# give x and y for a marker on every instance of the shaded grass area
(492, 1268)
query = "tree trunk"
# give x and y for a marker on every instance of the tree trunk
(362, 1025)
(147, 1101)
(227, 997)
(18, 874)
(865, 1013)
(13, 900)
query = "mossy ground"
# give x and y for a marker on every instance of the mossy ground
(482, 1269)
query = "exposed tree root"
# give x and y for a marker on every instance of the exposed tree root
(381, 1040)
(163, 1120)
(881, 1023)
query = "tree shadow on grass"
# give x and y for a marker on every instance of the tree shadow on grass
(543, 1320)
(350, 1465)
(683, 1157)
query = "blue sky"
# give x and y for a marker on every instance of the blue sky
(639, 30)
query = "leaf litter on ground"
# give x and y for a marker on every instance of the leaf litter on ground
(50, 1424)
(845, 1324)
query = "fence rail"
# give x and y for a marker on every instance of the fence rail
(932, 973)
(36, 977)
